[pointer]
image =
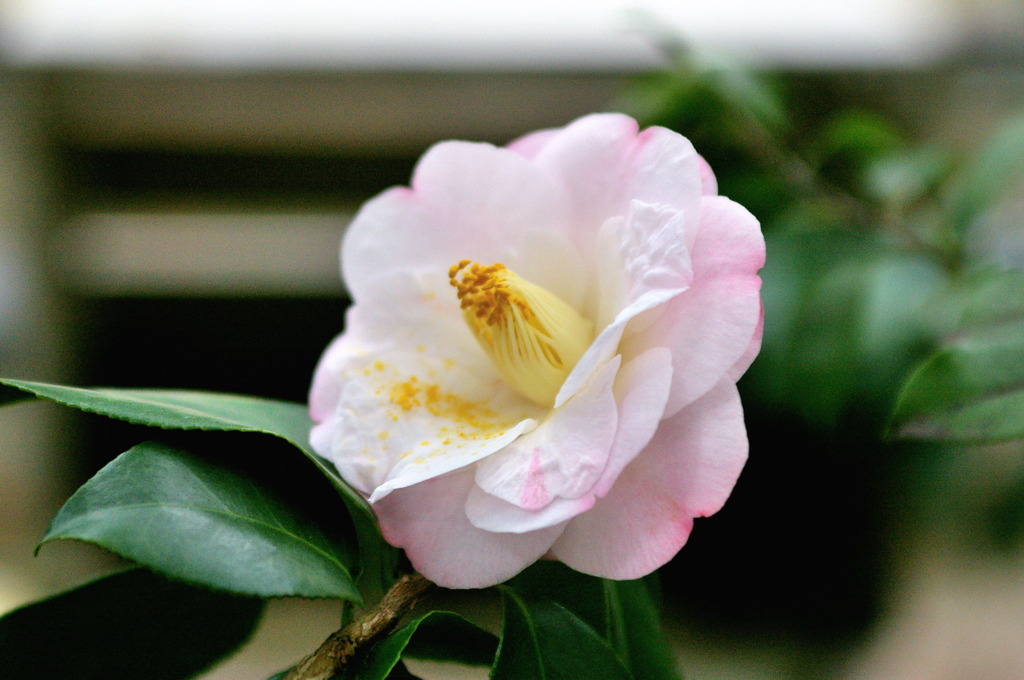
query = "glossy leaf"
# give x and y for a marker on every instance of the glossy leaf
(130, 625)
(640, 636)
(972, 389)
(622, 612)
(438, 636)
(542, 640)
(188, 410)
(182, 516)
(581, 594)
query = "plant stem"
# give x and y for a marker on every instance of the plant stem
(357, 636)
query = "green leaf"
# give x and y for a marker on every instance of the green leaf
(444, 636)
(542, 640)
(182, 516)
(181, 410)
(187, 410)
(904, 177)
(848, 320)
(622, 612)
(999, 164)
(744, 89)
(972, 389)
(129, 625)
(581, 594)
(438, 636)
(859, 135)
(519, 655)
(640, 636)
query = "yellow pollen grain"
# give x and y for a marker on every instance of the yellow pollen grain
(468, 415)
(378, 365)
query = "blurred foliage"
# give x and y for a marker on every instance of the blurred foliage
(128, 625)
(884, 323)
(866, 228)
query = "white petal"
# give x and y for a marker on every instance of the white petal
(709, 328)
(493, 514)
(605, 164)
(406, 416)
(687, 471)
(641, 392)
(429, 522)
(468, 201)
(563, 457)
(643, 264)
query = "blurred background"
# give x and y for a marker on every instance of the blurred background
(175, 179)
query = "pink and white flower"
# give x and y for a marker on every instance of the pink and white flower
(542, 354)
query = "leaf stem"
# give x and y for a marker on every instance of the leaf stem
(342, 645)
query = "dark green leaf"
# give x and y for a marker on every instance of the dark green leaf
(622, 612)
(542, 640)
(182, 410)
(971, 390)
(439, 636)
(400, 672)
(519, 654)
(581, 594)
(640, 635)
(443, 636)
(130, 625)
(186, 410)
(179, 515)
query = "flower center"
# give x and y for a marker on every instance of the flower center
(533, 337)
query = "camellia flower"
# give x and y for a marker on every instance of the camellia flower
(542, 353)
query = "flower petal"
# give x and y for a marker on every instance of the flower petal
(529, 145)
(429, 522)
(643, 263)
(490, 513)
(687, 471)
(708, 181)
(641, 389)
(562, 458)
(713, 329)
(729, 240)
(605, 164)
(641, 392)
(406, 315)
(405, 416)
(743, 363)
(708, 329)
(468, 201)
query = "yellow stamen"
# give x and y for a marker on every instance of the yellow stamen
(533, 337)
